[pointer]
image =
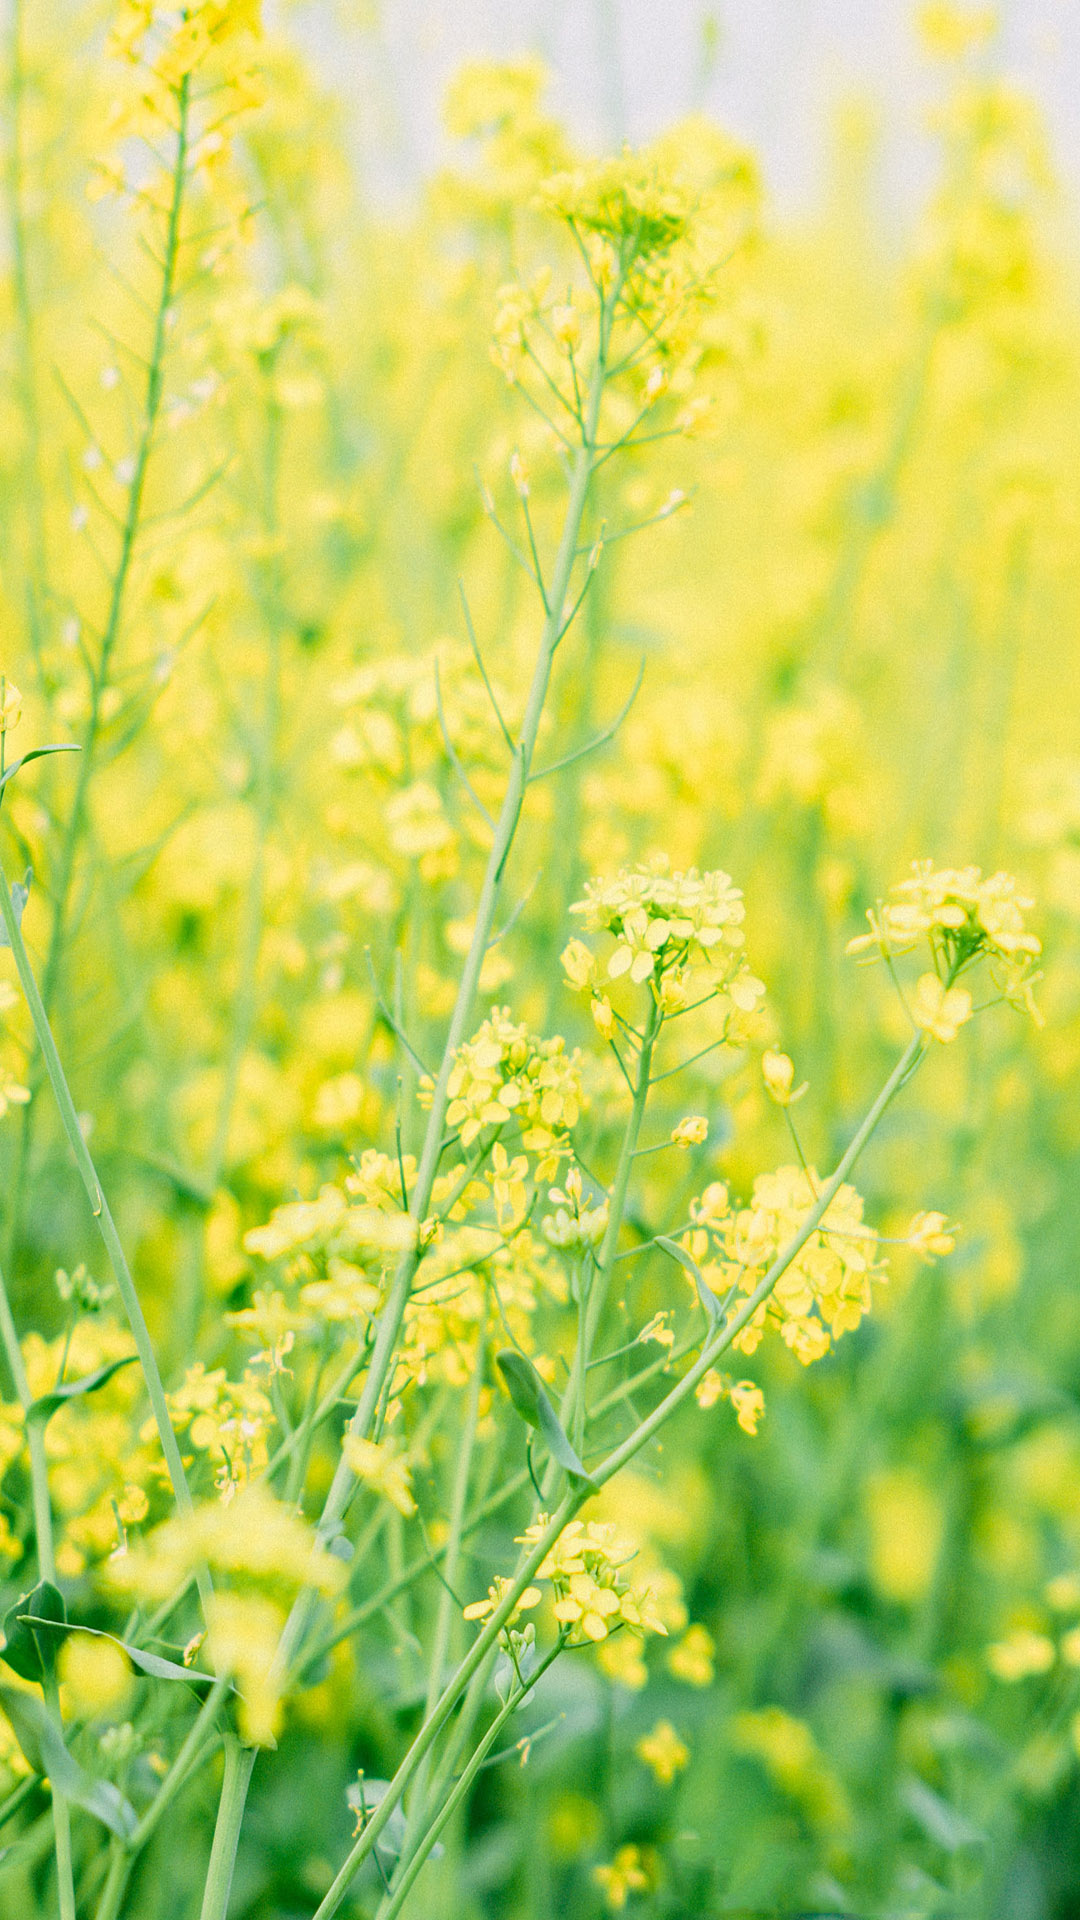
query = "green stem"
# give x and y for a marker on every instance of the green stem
(197, 1749)
(100, 1209)
(388, 1909)
(155, 382)
(61, 1817)
(35, 1441)
(574, 1499)
(902, 1072)
(33, 492)
(181, 1767)
(447, 1610)
(436, 1720)
(116, 1881)
(382, 1358)
(573, 1404)
(345, 1627)
(238, 1764)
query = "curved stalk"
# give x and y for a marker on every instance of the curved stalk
(238, 1764)
(100, 1208)
(155, 386)
(422, 1852)
(575, 1498)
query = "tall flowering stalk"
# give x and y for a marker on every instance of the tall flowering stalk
(449, 1355)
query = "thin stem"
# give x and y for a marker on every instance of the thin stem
(422, 1852)
(61, 1817)
(575, 1498)
(35, 1441)
(436, 1720)
(448, 1607)
(594, 1308)
(100, 1209)
(316, 1650)
(902, 1071)
(155, 385)
(238, 1764)
(382, 1358)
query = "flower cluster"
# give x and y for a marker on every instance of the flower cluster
(664, 925)
(593, 1593)
(574, 1223)
(623, 199)
(963, 917)
(170, 55)
(102, 1472)
(227, 1420)
(747, 1399)
(506, 1073)
(824, 1292)
(368, 1233)
(264, 1554)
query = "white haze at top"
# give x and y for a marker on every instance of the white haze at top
(772, 72)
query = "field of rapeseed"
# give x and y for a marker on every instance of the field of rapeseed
(539, 1007)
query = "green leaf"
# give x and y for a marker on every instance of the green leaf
(522, 1384)
(708, 1299)
(154, 1665)
(38, 753)
(939, 1820)
(43, 1744)
(41, 1410)
(526, 1391)
(29, 1653)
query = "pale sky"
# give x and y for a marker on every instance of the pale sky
(770, 71)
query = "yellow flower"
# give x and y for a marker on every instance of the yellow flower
(508, 1189)
(749, 1404)
(710, 1388)
(496, 1593)
(1024, 1653)
(578, 965)
(132, 1505)
(692, 1658)
(382, 1469)
(587, 1605)
(602, 1015)
(794, 1761)
(778, 1073)
(940, 1010)
(243, 1631)
(96, 1676)
(636, 950)
(10, 705)
(929, 1236)
(12, 1093)
(693, 1131)
(1063, 1593)
(255, 1537)
(949, 31)
(663, 1751)
(622, 1877)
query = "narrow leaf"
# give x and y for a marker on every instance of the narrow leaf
(43, 1745)
(154, 1665)
(939, 1820)
(41, 1410)
(37, 753)
(25, 1652)
(708, 1299)
(526, 1391)
(522, 1384)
